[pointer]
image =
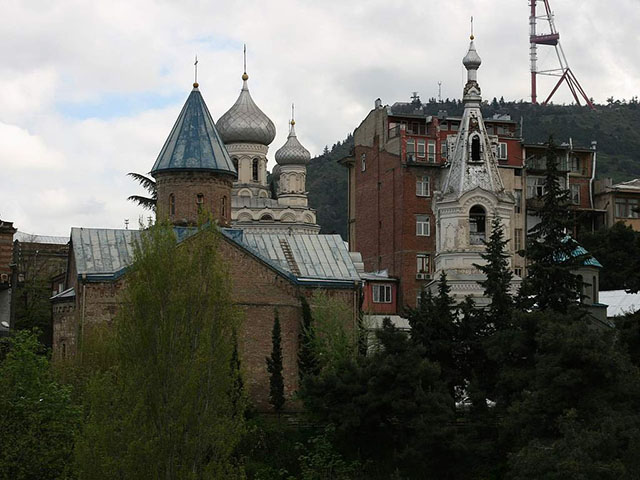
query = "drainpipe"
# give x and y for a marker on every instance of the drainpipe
(593, 171)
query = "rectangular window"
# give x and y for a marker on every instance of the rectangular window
(454, 126)
(517, 239)
(422, 187)
(627, 208)
(422, 226)
(518, 271)
(381, 293)
(422, 260)
(411, 149)
(421, 149)
(574, 164)
(518, 195)
(535, 187)
(363, 161)
(443, 150)
(432, 152)
(502, 151)
(575, 194)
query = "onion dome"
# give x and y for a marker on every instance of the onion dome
(275, 173)
(194, 143)
(472, 60)
(244, 122)
(292, 152)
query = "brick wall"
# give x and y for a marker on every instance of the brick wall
(185, 187)
(6, 250)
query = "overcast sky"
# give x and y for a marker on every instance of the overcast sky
(89, 90)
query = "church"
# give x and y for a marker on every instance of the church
(275, 253)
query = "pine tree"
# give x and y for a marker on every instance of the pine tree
(307, 360)
(498, 275)
(550, 283)
(274, 367)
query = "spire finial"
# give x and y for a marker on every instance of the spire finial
(293, 122)
(471, 37)
(195, 75)
(245, 77)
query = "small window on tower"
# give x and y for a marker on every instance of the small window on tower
(363, 160)
(172, 204)
(477, 225)
(475, 148)
(224, 206)
(255, 170)
(235, 163)
(200, 202)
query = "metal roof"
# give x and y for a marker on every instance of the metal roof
(620, 302)
(31, 238)
(102, 251)
(194, 143)
(322, 257)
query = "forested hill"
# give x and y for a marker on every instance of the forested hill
(615, 126)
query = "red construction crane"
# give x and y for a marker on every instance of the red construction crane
(551, 39)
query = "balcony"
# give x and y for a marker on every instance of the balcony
(540, 164)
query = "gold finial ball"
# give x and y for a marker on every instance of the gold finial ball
(245, 77)
(293, 122)
(472, 37)
(195, 85)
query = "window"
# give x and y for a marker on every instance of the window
(574, 164)
(422, 226)
(421, 148)
(477, 225)
(235, 163)
(627, 208)
(518, 271)
(411, 149)
(475, 149)
(454, 126)
(422, 260)
(224, 206)
(363, 162)
(255, 169)
(443, 150)
(575, 194)
(200, 202)
(517, 172)
(502, 151)
(381, 293)
(172, 204)
(594, 290)
(518, 195)
(535, 187)
(517, 239)
(422, 187)
(432, 152)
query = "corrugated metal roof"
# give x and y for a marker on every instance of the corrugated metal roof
(102, 250)
(619, 302)
(31, 238)
(314, 256)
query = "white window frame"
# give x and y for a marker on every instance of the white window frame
(502, 151)
(363, 160)
(517, 239)
(381, 293)
(421, 149)
(431, 151)
(411, 156)
(517, 193)
(575, 194)
(443, 150)
(423, 186)
(423, 226)
(422, 260)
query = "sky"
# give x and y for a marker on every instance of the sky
(90, 90)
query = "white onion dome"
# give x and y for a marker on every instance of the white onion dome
(472, 60)
(244, 122)
(292, 152)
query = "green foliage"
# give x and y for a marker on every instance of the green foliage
(149, 185)
(618, 250)
(550, 282)
(274, 367)
(307, 360)
(320, 461)
(166, 408)
(38, 419)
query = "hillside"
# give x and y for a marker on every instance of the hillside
(615, 126)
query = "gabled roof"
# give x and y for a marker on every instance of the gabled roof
(194, 143)
(102, 253)
(31, 238)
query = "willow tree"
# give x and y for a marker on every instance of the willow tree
(168, 407)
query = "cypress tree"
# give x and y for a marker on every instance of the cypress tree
(307, 361)
(274, 367)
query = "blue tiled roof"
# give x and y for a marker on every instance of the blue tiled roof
(194, 143)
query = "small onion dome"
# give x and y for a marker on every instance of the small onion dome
(292, 152)
(275, 173)
(472, 60)
(244, 122)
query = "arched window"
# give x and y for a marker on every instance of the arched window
(235, 163)
(172, 204)
(200, 202)
(224, 206)
(477, 225)
(266, 216)
(255, 169)
(475, 149)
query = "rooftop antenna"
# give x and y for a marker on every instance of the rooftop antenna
(471, 36)
(245, 77)
(551, 39)
(439, 91)
(195, 75)
(293, 122)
